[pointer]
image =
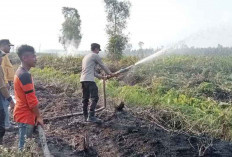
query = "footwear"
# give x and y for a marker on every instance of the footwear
(85, 118)
(85, 111)
(92, 118)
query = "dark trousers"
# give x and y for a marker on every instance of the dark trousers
(2, 118)
(89, 91)
(2, 124)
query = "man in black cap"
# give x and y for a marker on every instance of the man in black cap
(5, 42)
(8, 70)
(89, 87)
(4, 96)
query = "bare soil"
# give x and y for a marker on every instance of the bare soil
(126, 133)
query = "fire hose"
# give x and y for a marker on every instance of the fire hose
(43, 141)
(42, 137)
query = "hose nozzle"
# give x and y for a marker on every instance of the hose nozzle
(124, 70)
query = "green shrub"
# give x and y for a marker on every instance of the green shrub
(186, 91)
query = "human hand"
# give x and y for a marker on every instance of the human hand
(115, 74)
(106, 77)
(39, 121)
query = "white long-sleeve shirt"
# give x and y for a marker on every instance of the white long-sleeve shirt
(89, 64)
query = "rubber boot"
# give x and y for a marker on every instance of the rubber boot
(85, 116)
(92, 118)
(85, 111)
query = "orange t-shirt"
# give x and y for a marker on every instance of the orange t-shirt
(25, 97)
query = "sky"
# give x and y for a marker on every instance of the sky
(199, 23)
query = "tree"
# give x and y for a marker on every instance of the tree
(141, 45)
(129, 47)
(117, 15)
(71, 28)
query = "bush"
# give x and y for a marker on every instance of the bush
(186, 90)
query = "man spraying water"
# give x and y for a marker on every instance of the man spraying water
(89, 87)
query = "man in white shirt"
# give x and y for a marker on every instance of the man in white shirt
(89, 87)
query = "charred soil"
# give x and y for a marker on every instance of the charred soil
(125, 133)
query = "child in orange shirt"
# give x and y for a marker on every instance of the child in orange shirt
(26, 111)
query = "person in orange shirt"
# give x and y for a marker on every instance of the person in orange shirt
(26, 111)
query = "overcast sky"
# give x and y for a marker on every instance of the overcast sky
(155, 22)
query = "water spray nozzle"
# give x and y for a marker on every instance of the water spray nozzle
(124, 70)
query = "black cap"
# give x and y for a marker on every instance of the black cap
(95, 45)
(5, 42)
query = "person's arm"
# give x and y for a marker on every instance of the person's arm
(101, 64)
(32, 101)
(39, 119)
(98, 75)
(9, 69)
(4, 91)
(6, 94)
(4, 66)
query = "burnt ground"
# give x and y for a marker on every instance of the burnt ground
(126, 133)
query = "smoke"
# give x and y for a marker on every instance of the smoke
(205, 38)
(72, 46)
(210, 36)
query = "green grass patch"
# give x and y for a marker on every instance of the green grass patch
(186, 91)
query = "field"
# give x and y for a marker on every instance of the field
(178, 105)
(195, 90)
